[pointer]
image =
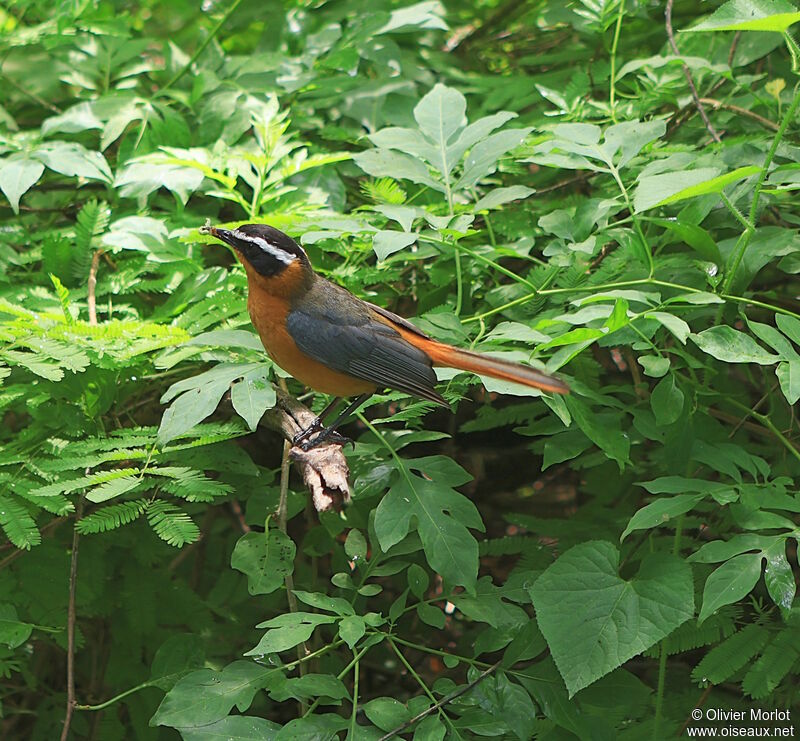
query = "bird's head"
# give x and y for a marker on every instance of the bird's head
(268, 251)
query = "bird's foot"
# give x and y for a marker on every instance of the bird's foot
(326, 436)
(312, 429)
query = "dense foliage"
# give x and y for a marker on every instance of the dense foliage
(550, 182)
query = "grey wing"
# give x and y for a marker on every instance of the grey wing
(341, 334)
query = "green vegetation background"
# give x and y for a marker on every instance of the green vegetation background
(591, 187)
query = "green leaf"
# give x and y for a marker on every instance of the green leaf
(13, 632)
(355, 545)
(386, 163)
(386, 713)
(603, 430)
(386, 242)
(654, 366)
(674, 324)
(483, 157)
(442, 516)
(695, 236)
(286, 637)
(74, 160)
(310, 685)
(233, 728)
(732, 346)
(439, 115)
(661, 511)
(667, 401)
(669, 187)
(594, 621)
(730, 582)
(252, 396)
(266, 558)
(498, 196)
(417, 580)
(750, 15)
(17, 175)
(779, 578)
(351, 629)
(111, 489)
(180, 654)
(172, 524)
(206, 696)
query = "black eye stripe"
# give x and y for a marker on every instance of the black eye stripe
(266, 246)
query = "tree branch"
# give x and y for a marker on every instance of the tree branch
(91, 285)
(324, 469)
(444, 701)
(71, 617)
(688, 74)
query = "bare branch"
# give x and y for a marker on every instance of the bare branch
(71, 617)
(91, 284)
(444, 701)
(324, 469)
(701, 110)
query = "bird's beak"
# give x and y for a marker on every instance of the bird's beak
(224, 235)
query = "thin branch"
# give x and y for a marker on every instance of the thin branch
(444, 701)
(71, 617)
(33, 96)
(717, 104)
(91, 285)
(200, 49)
(688, 74)
(283, 505)
(324, 468)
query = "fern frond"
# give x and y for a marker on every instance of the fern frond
(17, 523)
(383, 190)
(724, 660)
(111, 517)
(171, 523)
(690, 636)
(190, 484)
(511, 545)
(773, 665)
(92, 221)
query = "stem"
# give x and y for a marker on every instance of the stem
(662, 659)
(612, 93)
(744, 240)
(152, 682)
(422, 684)
(91, 284)
(687, 74)
(353, 726)
(200, 49)
(71, 618)
(288, 580)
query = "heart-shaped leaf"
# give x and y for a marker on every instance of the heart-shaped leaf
(594, 620)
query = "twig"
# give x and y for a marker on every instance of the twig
(91, 285)
(73, 580)
(717, 104)
(33, 96)
(441, 703)
(200, 49)
(302, 648)
(688, 74)
(236, 508)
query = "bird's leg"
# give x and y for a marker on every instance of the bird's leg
(316, 425)
(329, 434)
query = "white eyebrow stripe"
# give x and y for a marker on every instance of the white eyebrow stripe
(271, 249)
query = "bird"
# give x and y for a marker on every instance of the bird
(338, 344)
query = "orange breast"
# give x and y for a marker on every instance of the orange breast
(268, 305)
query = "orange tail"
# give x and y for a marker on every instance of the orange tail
(454, 357)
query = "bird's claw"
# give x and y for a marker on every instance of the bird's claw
(330, 438)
